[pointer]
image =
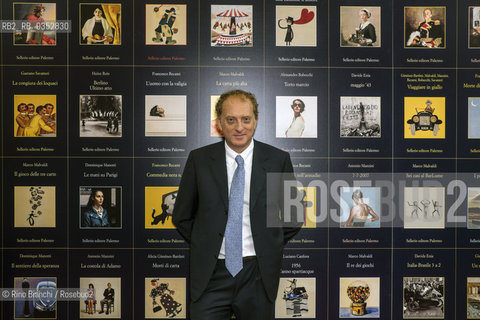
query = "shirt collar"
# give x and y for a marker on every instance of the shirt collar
(363, 25)
(100, 210)
(230, 154)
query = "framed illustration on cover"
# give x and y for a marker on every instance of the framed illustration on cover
(166, 24)
(425, 27)
(296, 26)
(35, 14)
(231, 25)
(100, 23)
(360, 26)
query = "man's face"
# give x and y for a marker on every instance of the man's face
(427, 15)
(31, 108)
(109, 285)
(49, 108)
(42, 111)
(237, 122)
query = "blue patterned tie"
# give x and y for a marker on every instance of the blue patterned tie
(233, 231)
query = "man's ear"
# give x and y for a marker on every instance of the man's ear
(219, 124)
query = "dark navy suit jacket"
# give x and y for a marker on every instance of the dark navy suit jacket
(201, 211)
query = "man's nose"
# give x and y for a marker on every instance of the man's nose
(239, 126)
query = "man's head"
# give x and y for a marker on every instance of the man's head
(41, 110)
(109, 285)
(160, 111)
(237, 114)
(427, 14)
(49, 107)
(22, 107)
(30, 108)
(428, 108)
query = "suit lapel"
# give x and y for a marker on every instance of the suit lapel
(257, 182)
(218, 167)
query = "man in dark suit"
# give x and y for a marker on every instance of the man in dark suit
(222, 197)
(108, 296)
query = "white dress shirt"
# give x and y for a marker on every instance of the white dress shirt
(247, 239)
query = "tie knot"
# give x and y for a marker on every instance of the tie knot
(239, 160)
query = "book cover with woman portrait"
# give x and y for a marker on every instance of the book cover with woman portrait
(296, 117)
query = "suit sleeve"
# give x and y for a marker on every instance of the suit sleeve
(187, 200)
(289, 232)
